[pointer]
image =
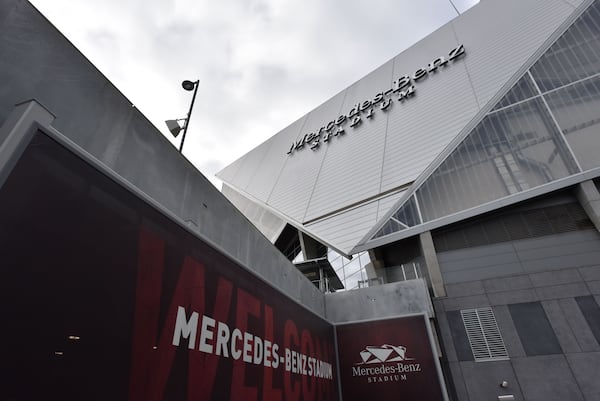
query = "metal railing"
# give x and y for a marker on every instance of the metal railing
(404, 272)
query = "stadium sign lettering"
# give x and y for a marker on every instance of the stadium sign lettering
(402, 88)
(219, 339)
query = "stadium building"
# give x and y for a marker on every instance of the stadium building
(471, 160)
(461, 176)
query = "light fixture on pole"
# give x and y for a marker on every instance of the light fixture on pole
(173, 125)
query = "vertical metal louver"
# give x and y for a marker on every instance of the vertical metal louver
(484, 336)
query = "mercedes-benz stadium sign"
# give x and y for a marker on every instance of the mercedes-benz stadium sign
(389, 359)
(402, 89)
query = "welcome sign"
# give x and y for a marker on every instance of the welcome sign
(134, 307)
(131, 306)
(242, 339)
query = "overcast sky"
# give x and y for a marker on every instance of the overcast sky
(262, 64)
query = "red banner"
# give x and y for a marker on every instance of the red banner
(108, 299)
(225, 334)
(388, 360)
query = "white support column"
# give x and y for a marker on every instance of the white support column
(433, 266)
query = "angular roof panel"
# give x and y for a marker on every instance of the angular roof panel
(389, 149)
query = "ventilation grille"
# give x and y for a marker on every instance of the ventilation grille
(484, 336)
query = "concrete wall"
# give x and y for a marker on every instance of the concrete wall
(379, 302)
(560, 274)
(39, 63)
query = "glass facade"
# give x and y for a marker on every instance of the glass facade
(407, 216)
(574, 56)
(350, 272)
(522, 90)
(545, 128)
(576, 109)
(513, 149)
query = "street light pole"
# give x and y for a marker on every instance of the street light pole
(188, 86)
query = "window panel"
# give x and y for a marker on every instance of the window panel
(352, 280)
(590, 310)
(352, 267)
(577, 110)
(534, 329)
(574, 56)
(349, 271)
(523, 90)
(510, 151)
(408, 213)
(406, 216)
(390, 227)
(336, 263)
(364, 259)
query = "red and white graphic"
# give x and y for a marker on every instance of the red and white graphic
(383, 353)
(389, 360)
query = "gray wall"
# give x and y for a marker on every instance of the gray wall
(379, 302)
(37, 62)
(556, 272)
(572, 249)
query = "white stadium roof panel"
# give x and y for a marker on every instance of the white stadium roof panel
(395, 142)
